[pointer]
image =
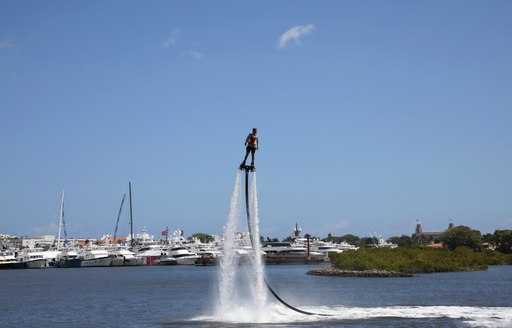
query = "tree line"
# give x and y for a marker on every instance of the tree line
(459, 236)
(452, 238)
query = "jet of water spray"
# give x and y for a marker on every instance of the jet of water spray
(242, 293)
(227, 261)
(259, 290)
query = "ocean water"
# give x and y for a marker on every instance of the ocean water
(187, 296)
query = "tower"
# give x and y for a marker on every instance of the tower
(419, 230)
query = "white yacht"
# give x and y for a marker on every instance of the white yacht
(32, 258)
(325, 248)
(381, 243)
(209, 253)
(208, 256)
(8, 261)
(290, 253)
(95, 257)
(344, 246)
(51, 257)
(182, 255)
(166, 260)
(121, 256)
(150, 253)
(69, 258)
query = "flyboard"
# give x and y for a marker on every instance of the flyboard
(247, 169)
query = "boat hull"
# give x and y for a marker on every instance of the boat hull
(35, 264)
(97, 262)
(69, 263)
(167, 261)
(13, 265)
(123, 261)
(206, 260)
(186, 260)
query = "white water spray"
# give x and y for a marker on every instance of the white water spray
(242, 293)
(227, 263)
(259, 290)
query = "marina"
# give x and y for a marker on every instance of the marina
(175, 250)
(143, 249)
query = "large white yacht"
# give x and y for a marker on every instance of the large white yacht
(95, 257)
(121, 256)
(325, 248)
(182, 255)
(68, 258)
(290, 253)
(8, 261)
(32, 258)
(151, 253)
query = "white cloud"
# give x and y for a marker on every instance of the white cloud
(49, 229)
(294, 33)
(170, 41)
(5, 43)
(191, 55)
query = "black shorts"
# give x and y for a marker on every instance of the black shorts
(250, 148)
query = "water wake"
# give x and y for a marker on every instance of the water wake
(467, 315)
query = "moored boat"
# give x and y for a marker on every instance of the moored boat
(208, 256)
(166, 260)
(182, 255)
(69, 259)
(32, 258)
(121, 256)
(9, 261)
(150, 253)
(95, 258)
(325, 248)
(282, 253)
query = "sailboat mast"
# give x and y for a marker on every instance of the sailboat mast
(118, 217)
(131, 218)
(61, 217)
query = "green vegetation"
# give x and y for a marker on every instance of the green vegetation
(461, 236)
(203, 237)
(418, 259)
(502, 239)
(452, 238)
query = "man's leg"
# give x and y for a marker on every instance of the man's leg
(245, 158)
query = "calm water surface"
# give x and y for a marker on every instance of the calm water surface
(183, 296)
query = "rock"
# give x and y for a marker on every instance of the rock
(330, 271)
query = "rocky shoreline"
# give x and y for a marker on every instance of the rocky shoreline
(330, 271)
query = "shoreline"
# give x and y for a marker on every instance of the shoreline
(333, 272)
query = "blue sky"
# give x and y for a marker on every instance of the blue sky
(371, 114)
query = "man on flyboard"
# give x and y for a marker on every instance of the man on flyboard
(252, 145)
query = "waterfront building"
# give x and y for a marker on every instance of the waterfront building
(45, 241)
(432, 237)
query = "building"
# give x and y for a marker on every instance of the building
(45, 241)
(432, 237)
